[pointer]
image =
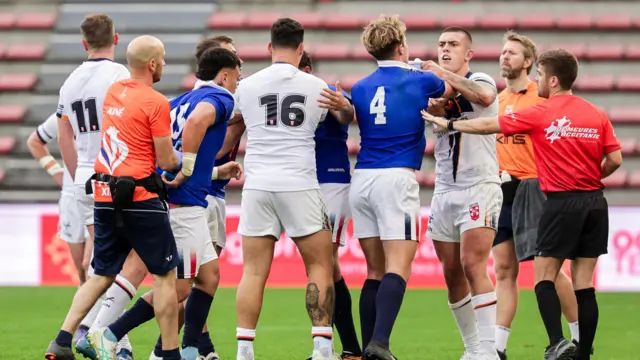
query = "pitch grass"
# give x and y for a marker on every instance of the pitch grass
(425, 328)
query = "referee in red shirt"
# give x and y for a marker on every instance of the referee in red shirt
(570, 138)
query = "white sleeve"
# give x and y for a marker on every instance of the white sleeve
(48, 130)
(122, 74)
(62, 105)
(482, 77)
(322, 85)
(236, 101)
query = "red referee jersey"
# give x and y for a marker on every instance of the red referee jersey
(570, 137)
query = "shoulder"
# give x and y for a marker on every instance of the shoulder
(482, 77)
(312, 80)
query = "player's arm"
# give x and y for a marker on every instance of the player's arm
(167, 157)
(66, 140)
(611, 148)
(37, 144)
(338, 104)
(479, 90)
(231, 138)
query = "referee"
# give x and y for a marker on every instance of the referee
(570, 138)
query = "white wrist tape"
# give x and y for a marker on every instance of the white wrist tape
(188, 162)
(51, 165)
(214, 176)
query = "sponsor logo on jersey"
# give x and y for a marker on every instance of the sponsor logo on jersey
(561, 128)
(113, 150)
(474, 211)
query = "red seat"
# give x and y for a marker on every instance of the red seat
(253, 52)
(330, 51)
(260, 20)
(11, 113)
(429, 179)
(26, 52)
(7, 143)
(614, 22)
(536, 21)
(628, 146)
(17, 82)
(36, 21)
(633, 180)
(468, 21)
(7, 21)
(574, 22)
(431, 144)
(236, 184)
(359, 52)
(578, 50)
(310, 20)
(188, 82)
(347, 82)
(3, 51)
(616, 180)
(353, 146)
(605, 52)
(328, 78)
(628, 83)
(420, 22)
(487, 52)
(625, 115)
(500, 83)
(632, 52)
(227, 20)
(418, 51)
(498, 22)
(595, 83)
(343, 21)
(1, 174)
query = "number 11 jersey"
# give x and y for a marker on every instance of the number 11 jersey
(81, 101)
(387, 105)
(280, 108)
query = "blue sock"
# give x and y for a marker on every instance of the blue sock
(388, 303)
(195, 316)
(205, 345)
(157, 351)
(140, 313)
(368, 309)
(171, 355)
(343, 319)
(64, 338)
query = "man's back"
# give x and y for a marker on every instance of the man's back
(280, 109)
(81, 102)
(332, 154)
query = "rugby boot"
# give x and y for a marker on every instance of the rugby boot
(377, 351)
(577, 344)
(57, 352)
(84, 348)
(562, 350)
(502, 355)
(349, 356)
(210, 356)
(82, 331)
(103, 343)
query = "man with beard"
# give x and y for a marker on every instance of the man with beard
(522, 198)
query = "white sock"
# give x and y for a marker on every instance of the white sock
(502, 337)
(575, 331)
(485, 308)
(93, 313)
(124, 343)
(322, 340)
(245, 343)
(116, 299)
(466, 320)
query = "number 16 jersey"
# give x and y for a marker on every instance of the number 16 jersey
(81, 101)
(280, 108)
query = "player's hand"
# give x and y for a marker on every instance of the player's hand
(179, 179)
(334, 100)
(437, 106)
(433, 67)
(439, 124)
(230, 170)
(58, 178)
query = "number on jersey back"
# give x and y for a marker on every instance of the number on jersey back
(377, 107)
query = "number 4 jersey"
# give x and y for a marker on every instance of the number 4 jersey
(81, 100)
(280, 108)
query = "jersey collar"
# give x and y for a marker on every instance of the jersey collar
(201, 83)
(98, 59)
(394, 63)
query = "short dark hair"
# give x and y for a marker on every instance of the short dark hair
(211, 42)
(305, 60)
(561, 64)
(214, 60)
(286, 33)
(459, 29)
(97, 30)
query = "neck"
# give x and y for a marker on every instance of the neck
(464, 70)
(101, 54)
(285, 56)
(142, 76)
(518, 84)
(556, 92)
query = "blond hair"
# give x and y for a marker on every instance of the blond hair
(527, 43)
(97, 30)
(383, 35)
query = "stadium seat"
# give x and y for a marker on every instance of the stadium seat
(262, 20)
(468, 21)
(330, 51)
(628, 83)
(7, 143)
(633, 180)
(632, 52)
(614, 22)
(353, 146)
(429, 179)
(500, 83)
(188, 82)
(253, 52)
(536, 22)
(605, 52)
(487, 52)
(227, 20)
(309, 20)
(595, 83)
(420, 22)
(360, 53)
(342, 21)
(625, 115)
(12, 113)
(578, 50)
(1, 175)
(7, 20)
(616, 180)
(328, 78)
(498, 22)
(347, 82)
(3, 51)
(417, 51)
(17, 82)
(574, 22)
(628, 146)
(26, 52)
(431, 144)
(36, 21)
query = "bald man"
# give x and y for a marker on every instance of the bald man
(137, 129)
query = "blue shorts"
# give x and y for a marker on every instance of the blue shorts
(146, 230)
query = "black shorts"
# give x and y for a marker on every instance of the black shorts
(574, 224)
(505, 221)
(146, 230)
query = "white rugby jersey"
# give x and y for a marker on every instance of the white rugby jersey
(47, 132)
(279, 105)
(464, 160)
(81, 101)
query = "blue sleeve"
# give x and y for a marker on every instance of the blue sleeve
(346, 94)
(223, 104)
(433, 86)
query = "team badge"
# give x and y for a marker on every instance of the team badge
(474, 211)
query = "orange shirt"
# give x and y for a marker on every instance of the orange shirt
(515, 152)
(134, 114)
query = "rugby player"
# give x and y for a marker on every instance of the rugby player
(334, 175)
(467, 196)
(281, 111)
(131, 214)
(384, 193)
(523, 200)
(570, 138)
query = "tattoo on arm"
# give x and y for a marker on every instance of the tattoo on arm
(474, 91)
(320, 314)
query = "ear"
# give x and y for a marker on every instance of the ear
(300, 50)
(469, 55)
(85, 45)
(270, 48)
(116, 38)
(528, 62)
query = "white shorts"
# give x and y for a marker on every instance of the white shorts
(336, 196)
(193, 240)
(216, 218)
(385, 203)
(70, 228)
(456, 211)
(85, 205)
(298, 213)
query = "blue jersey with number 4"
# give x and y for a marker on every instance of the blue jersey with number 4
(332, 155)
(388, 104)
(195, 189)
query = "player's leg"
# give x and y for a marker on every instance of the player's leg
(568, 303)
(68, 230)
(260, 229)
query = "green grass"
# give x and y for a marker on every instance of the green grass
(425, 328)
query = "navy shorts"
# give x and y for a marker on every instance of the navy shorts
(145, 229)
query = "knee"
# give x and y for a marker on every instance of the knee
(453, 274)
(506, 271)
(86, 262)
(474, 268)
(209, 278)
(183, 288)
